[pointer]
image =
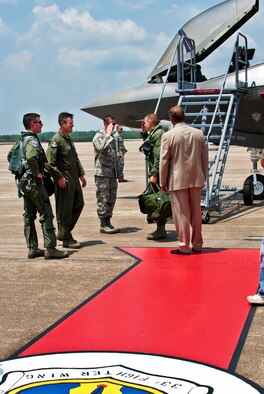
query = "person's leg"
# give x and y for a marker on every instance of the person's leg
(160, 232)
(39, 197)
(258, 299)
(196, 218)
(112, 196)
(106, 189)
(78, 204)
(64, 207)
(181, 217)
(30, 214)
(261, 276)
(121, 167)
(102, 195)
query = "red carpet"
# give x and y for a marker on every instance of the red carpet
(191, 307)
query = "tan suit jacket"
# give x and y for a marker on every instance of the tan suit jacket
(183, 158)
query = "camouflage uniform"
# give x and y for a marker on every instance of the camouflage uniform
(121, 150)
(106, 172)
(35, 196)
(63, 161)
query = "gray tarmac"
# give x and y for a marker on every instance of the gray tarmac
(37, 293)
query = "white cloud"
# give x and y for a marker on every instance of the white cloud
(90, 58)
(46, 13)
(78, 29)
(19, 61)
(77, 58)
(118, 30)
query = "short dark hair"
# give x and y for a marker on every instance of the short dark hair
(29, 118)
(107, 118)
(63, 117)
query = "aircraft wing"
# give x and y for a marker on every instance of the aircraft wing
(219, 22)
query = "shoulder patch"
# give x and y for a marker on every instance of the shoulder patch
(35, 143)
(54, 144)
(69, 147)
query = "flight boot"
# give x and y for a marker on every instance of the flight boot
(159, 233)
(71, 244)
(35, 252)
(106, 226)
(53, 253)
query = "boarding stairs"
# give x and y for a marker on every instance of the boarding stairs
(214, 112)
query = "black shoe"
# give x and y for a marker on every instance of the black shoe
(178, 251)
(196, 251)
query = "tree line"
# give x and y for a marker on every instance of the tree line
(77, 136)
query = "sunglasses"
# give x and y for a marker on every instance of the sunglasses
(38, 121)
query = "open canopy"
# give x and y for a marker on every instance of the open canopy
(209, 30)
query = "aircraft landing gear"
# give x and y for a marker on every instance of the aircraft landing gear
(256, 178)
(258, 187)
(248, 191)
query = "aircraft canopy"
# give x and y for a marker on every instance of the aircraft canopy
(209, 30)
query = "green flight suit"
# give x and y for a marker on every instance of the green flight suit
(63, 161)
(153, 155)
(35, 196)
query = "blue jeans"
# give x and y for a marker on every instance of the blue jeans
(261, 278)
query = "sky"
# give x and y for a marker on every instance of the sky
(61, 55)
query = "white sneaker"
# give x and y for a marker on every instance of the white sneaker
(256, 299)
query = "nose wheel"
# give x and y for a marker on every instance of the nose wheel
(248, 191)
(253, 191)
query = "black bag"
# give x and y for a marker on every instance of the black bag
(48, 183)
(155, 203)
(146, 148)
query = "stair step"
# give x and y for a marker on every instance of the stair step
(204, 113)
(198, 125)
(204, 102)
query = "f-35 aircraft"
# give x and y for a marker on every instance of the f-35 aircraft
(178, 77)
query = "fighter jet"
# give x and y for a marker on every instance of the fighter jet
(178, 74)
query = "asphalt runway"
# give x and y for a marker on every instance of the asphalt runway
(35, 294)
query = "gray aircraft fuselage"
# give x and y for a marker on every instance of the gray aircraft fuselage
(130, 106)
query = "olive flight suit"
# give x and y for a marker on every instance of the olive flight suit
(63, 161)
(35, 196)
(153, 156)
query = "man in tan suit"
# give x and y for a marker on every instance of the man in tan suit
(183, 170)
